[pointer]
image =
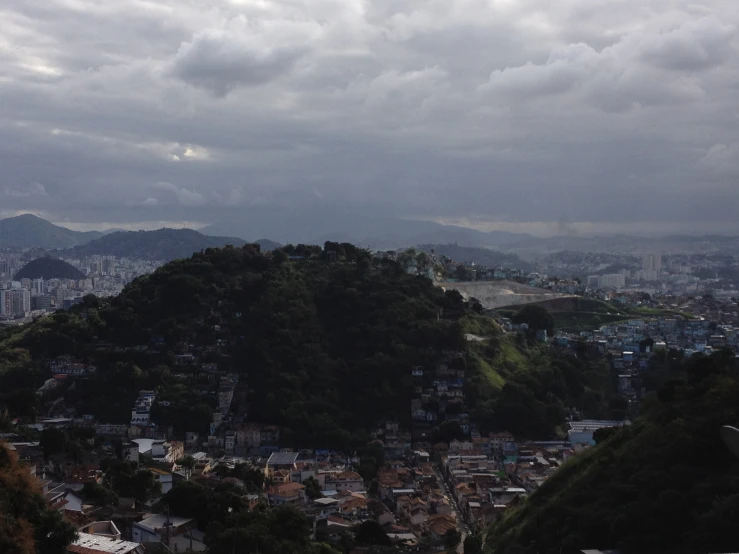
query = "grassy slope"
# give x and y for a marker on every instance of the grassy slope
(497, 357)
(590, 313)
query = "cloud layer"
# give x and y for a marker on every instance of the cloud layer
(485, 111)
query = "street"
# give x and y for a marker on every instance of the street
(461, 525)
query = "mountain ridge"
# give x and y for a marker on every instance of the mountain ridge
(161, 245)
(28, 231)
(318, 225)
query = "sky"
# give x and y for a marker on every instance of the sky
(525, 115)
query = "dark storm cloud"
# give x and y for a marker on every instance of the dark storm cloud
(221, 61)
(487, 110)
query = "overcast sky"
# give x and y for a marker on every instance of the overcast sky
(602, 115)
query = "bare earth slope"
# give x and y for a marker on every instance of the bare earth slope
(496, 294)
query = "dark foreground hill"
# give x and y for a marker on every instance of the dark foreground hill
(162, 244)
(29, 231)
(49, 268)
(667, 483)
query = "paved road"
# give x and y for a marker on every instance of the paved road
(461, 527)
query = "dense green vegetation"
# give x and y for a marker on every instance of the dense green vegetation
(27, 526)
(307, 336)
(528, 389)
(49, 268)
(666, 483)
(162, 244)
(586, 314)
(576, 314)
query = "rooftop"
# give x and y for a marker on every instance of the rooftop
(593, 424)
(87, 543)
(288, 489)
(157, 522)
(282, 458)
(326, 501)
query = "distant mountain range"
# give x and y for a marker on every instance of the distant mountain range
(44, 239)
(29, 231)
(317, 225)
(49, 268)
(162, 244)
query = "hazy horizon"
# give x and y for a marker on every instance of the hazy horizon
(489, 114)
(546, 229)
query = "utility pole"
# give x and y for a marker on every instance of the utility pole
(166, 530)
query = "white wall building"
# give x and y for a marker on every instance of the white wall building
(15, 302)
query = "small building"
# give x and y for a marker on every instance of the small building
(345, 481)
(581, 432)
(94, 544)
(163, 477)
(153, 529)
(280, 460)
(167, 451)
(289, 493)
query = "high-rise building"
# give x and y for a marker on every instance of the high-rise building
(41, 302)
(37, 287)
(612, 281)
(15, 302)
(652, 262)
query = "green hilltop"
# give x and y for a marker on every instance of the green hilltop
(325, 339)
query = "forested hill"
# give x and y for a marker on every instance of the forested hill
(49, 268)
(323, 340)
(326, 346)
(162, 244)
(667, 483)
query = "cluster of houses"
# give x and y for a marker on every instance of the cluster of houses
(62, 369)
(124, 528)
(630, 345)
(438, 395)
(423, 495)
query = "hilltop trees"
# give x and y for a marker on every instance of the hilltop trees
(127, 480)
(536, 317)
